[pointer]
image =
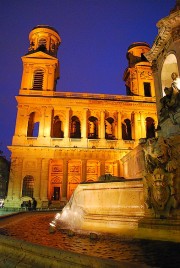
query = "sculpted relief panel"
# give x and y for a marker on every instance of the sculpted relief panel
(74, 171)
(162, 176)
(93, 170)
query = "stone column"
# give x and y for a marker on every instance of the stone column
(102, 168)
(102, 126)
(66, 125)
(18, 180)
(50, 77)
(84, 123)
(44, 180)
(65, 179)
(84, 170)
(119, 126)
(42, 123)
(37, 188)
(132, 126)
(15, 179)
(22, 121)
(121, 169)
(137, 126)
(143, 126)
(47, 121)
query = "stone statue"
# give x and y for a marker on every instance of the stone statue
(161, 177)
(170, 103)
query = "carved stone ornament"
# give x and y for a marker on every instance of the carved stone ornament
(176, 33)
(160, 178)
(154, 66)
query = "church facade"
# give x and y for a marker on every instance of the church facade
(63, 138)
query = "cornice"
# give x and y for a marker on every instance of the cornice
(63, 102)
(165, 26)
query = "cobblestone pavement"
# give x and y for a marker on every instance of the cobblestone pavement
(34, 227)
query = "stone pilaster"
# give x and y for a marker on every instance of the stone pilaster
(44, 180)
(47, 121)
(65, 179)
(84, 124)
(22, 121)
(102, 126)
(102, 168)
(66, 127)
(84, 170)
(137, 126)
(15, 184)
(18, 180)
(119, 123)
(143, 126)
(38, 184)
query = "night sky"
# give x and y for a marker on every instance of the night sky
(95, 36)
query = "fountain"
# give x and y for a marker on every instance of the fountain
(108, 205)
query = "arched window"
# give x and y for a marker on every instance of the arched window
(38, 80)
(126, 130)
(147, 89)
(57, 128)
(42, 45)
(28, 186)
(41, 42)
(75, 127)
(150, 128)
(92, 127)
(109, 129)
(33, 126)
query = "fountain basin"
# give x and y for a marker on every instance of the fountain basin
(106, 206)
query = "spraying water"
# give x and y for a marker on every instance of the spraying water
(71, 216)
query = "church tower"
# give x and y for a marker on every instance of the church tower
(33, 121)
(40, 64)
(138, 76)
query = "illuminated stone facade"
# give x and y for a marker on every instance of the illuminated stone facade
(64, 138)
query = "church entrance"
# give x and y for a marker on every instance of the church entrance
(56, 193)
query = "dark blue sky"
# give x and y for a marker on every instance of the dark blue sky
(95, 36)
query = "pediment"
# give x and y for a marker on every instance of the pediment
(40, 55)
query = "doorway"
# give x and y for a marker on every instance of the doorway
(56, 193)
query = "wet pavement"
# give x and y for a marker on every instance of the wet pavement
(34, 227)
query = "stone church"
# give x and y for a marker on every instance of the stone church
(63, 138)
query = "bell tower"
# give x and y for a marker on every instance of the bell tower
(138, 76)
(40, 64)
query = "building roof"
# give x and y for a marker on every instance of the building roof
(45, 26)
